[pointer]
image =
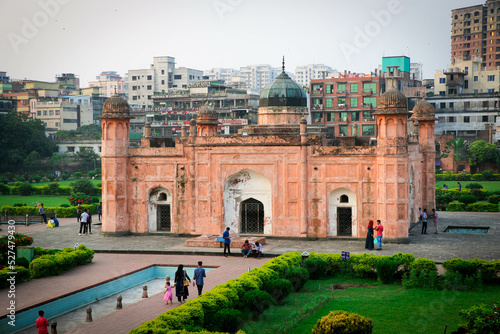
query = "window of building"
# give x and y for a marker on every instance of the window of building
(51, 112)
(491, 90)
(149, 77)
(467, 104)
(452, 104)
(343, 130)
(486, 104)
(368, 130)
(466, 70)
(442, 80)
(162, 71)
(39, 113)
(466, 119)
(354, 116)
(451, 119)
(163, 82)
(370, 101)
(367, 116)
(341, 102)
(45, 113)
(149, 97)
(134, 78)
(442, 105)
(134, 87)
(316, 117)
(57, 112)
(370, 87)
(491, 78)
(317, 89)
(177, 77)
(466, 84)
(343, 117)
(150, 87)
(330, 117)
(134, 98)
(354, 88)
(341, 88)
(329, 103)
(329, 89)
(442, 92)
(344, 199)
(354, 102)
(71, 149)
(57, 124)
(485, 119)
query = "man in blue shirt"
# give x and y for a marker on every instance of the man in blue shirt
(227, 242)
(199, 273)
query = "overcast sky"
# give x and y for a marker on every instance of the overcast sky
(42, 38)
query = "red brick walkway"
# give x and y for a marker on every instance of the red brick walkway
(108, 266)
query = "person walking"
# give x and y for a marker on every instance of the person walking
(435, 218)
(199, 274)
(89, 222)
(181, 283)
(99, 211)
(380, 232)
(424, 222)
(459, 186)
(83, 222)
(369, 236)
(227, 242)
(168, 293)
(42, 213)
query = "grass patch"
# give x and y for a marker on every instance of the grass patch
(65, 183)
(392, 308)
(33, 200)
(488, 185)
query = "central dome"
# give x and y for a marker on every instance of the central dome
(283, 92)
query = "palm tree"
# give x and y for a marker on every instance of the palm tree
(459, 148)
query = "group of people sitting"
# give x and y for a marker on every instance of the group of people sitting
(251, 248)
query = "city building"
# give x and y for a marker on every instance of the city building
(235, 108)
(224, 74)
(258, 76)
(467, 77)
(109, 83)
(64, 113)
(273, 178)
(68, 83)
(416, 71)
(160, 77)
(475, 31)
(305, 73)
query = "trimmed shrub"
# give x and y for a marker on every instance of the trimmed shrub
(479, 193)
(25, 189)
(62, 212)
(316, 267)
(52, 189)
(487, 175)
(23, 262)
(49, 265)
(256, 300)
(77, 175)
(363, 265)
(84, 186)
(343, 322)
(228, 320)
(467, 199)
(334, 262)
(494, 199)
(476, 177)
(386, 270)
(424, 265)
(4, 189)
(65, 176)
(298, 277)
(482, 207)
(455, 206)
(279, 289)
(474, 186)
(22, 275)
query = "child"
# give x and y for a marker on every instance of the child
(168, 293)
(42, 323)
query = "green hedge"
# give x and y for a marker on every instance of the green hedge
(466, 177)
(62, 212)
(22, 274)
(49, 189)
(482, 207)
(50, 265)
(455, 206)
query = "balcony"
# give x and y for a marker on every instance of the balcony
(366, 105)
(317, 107)
(366, 91)
(341, 106)
(341, 92)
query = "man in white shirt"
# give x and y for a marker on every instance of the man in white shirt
(83, 222)
(257, 250)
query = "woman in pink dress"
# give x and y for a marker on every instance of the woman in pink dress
(168, 293)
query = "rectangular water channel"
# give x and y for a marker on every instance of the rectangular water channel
(467, 229)
(69, 311)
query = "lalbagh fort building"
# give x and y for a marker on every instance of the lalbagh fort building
(279, 177)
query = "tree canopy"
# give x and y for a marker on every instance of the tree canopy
(458, 148)
(480, 152)
(19, 137)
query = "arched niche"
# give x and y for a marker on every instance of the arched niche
(159, 210)
(240, 187)
(339, 210)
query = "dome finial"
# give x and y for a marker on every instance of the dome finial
(283, 64)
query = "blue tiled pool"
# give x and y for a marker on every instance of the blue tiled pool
(69, 303)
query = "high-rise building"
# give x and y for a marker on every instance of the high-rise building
(220, 73)
(109, 83)
(68, 83)
(258, 76)
(159, 78)
(475, 31)
(305, 73)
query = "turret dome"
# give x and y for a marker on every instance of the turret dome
(392, 100)
(115, 106)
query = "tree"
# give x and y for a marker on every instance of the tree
(87, 157)
(91, 130)
(480, 152)
(458, 148)
(19, 136)
(84, 186)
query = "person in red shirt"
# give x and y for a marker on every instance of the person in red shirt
(379, 228)
(42, 323)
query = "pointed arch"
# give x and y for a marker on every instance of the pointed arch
(159, 209)
(342, 215)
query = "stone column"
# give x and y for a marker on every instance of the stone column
(303, 178)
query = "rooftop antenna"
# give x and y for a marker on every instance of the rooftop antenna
(283, 64)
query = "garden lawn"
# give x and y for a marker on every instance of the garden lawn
(488, 185)
(392, 308)
(65, 183)
(33, 200)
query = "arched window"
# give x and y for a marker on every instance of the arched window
(344, 199)
(162, 197)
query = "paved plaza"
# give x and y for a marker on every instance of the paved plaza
(117, 256)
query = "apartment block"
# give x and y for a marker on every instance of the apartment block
(64, 113)
(109, 83)
(305, 73)
(220, 73)
(258, 76)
